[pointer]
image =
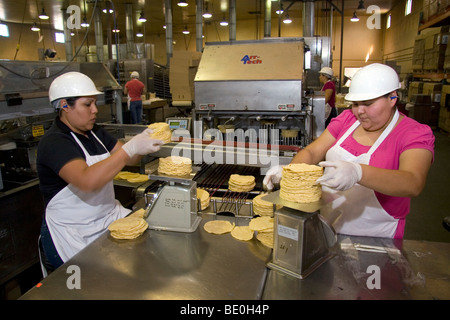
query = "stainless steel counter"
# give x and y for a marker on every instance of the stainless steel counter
(163, 265)
(198, 265)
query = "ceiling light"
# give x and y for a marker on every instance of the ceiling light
(361, 5)
(142, 18)
(182, 3)
(354, 18)
(224, 22)
(35, 27)
(139, 34)
(207, 15)
(84, 24)
(115, 30)
(43, 15)
(287, 19)
(106, 10)
(186, 31)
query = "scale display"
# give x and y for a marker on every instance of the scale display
(179, 123)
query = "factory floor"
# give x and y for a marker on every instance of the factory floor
(429, 209)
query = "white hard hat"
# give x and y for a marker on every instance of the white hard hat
(72, 84)
(135, 74)
(327, 70)
(372, 81)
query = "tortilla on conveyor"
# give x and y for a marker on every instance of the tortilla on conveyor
(239, 183)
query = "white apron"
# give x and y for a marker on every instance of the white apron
(76, 218)
(357, 211)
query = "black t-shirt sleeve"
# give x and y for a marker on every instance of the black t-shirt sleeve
(58, 149)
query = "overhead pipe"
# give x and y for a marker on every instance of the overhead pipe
(68, 37)
(232, 24)
(308, 18)
(129, 29)
(98, 34)
(267, 18)
(169, 32)
(199, 25)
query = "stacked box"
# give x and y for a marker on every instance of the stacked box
(434, 89)
(183, 67)
(418, 53)
(447, 58)
(415, 88)
(436, 40)
(444, 112)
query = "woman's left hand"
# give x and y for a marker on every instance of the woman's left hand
(342, 176)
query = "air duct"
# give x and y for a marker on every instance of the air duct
(169, 33)
(267, 18)
(232, 24)
(129, 30)
(308, 18)
(199, 25)
(98, 34)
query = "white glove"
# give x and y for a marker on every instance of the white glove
(273, 176)
(342, 176)
(142, 144)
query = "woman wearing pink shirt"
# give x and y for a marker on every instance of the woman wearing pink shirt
(376, 159)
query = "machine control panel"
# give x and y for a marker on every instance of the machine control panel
(179, 123)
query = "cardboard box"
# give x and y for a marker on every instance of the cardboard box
(434, 89)
(415, 88)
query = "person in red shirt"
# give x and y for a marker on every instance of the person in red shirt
(135, 89)
(326, 77)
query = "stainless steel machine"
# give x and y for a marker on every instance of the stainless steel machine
(254, 91)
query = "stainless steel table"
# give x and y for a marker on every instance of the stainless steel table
(163, 265)
(412, 270)
(203, 266)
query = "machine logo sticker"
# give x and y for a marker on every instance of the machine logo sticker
(251, 59)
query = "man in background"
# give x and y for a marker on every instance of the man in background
(135, 89)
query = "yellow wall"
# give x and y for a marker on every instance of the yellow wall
(395, 43)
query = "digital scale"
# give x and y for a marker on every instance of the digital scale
(173, 207)
(302, 239)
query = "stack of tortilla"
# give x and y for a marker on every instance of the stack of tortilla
(298, 183)
(203, 197)
(262, 207)
(175, 166)
(128, 228)
(131, 176)
(240, 183)
(264, 228)
(161, 131)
